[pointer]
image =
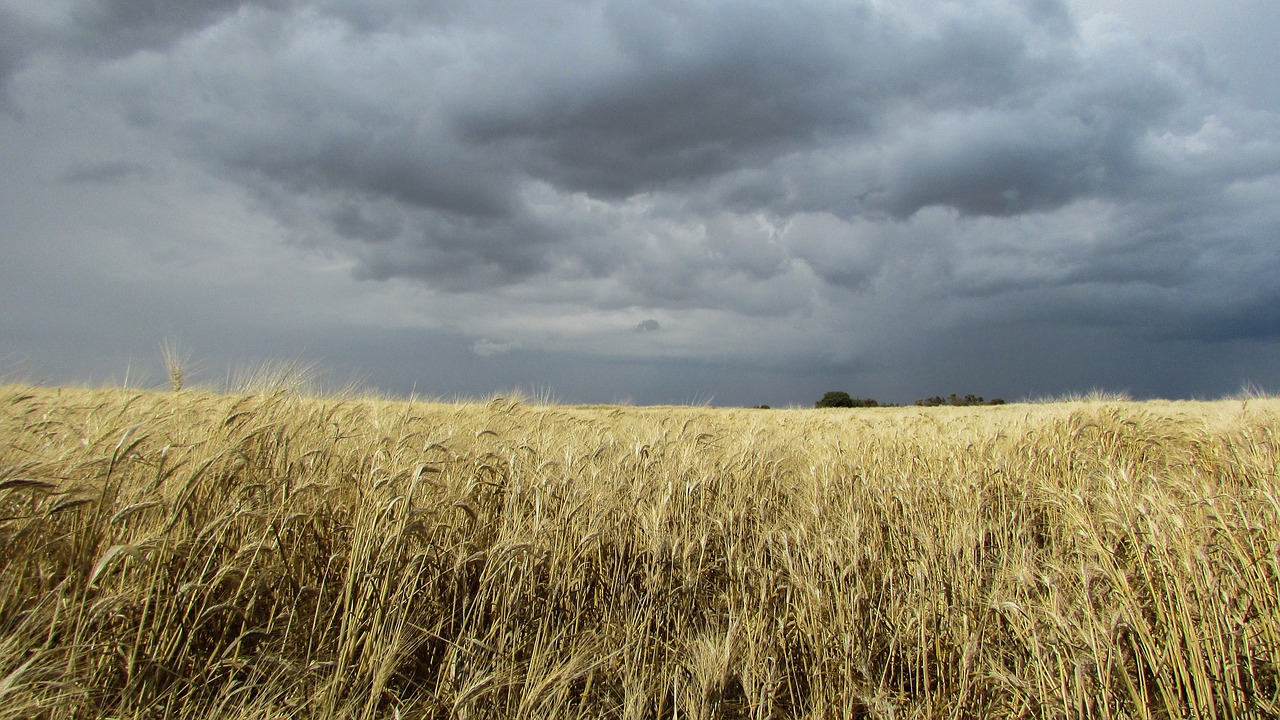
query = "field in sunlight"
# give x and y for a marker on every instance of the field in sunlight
(199, 555)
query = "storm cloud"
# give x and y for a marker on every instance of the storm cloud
(818, 184)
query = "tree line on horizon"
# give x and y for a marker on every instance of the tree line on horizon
(842, 399)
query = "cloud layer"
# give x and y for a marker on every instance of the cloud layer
(779, 184)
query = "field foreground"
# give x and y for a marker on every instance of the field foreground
(195, 555)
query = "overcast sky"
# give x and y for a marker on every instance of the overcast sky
(657, 202)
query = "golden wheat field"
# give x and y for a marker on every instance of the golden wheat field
(281, 555)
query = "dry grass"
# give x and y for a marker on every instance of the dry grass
(270, 555)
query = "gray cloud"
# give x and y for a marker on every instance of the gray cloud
(122, 27)
(995, 111)
(677, 96)
(773, 181)
(11, 51)
(484, 347)
(106, 172)
(20, 38)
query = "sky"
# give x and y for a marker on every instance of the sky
(658, 202)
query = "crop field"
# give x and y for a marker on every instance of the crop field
(275, 554)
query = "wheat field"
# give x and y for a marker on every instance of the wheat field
(275, 554)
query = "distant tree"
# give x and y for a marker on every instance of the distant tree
(956, 401)
(841, 399)
(760, 407)
(835, 399)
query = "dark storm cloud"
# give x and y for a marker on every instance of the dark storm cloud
(11, 45)
(108, 172)
(425, 141)
(355, 221)
(414, 171)
(681, 95)
(687, 93)
(1255, 319)
(19, 40)
(121, 27)
(1007, 165)
(459, 253)
(779, 181)
(995, 110)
